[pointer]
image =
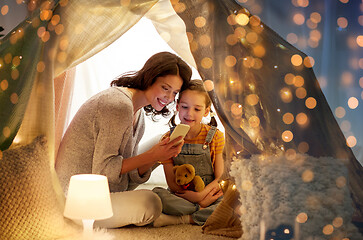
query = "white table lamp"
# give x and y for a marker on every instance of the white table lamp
(88, 199)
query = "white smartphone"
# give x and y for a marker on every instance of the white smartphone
(179, 130)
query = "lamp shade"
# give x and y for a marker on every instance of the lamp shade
(88, 197)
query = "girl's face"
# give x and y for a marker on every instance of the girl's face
(192, 108)
(163, 91)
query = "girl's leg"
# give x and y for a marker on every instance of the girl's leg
(138, 207)
(176, 210)
(174, 205)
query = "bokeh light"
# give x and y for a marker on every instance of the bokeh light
(342, 22)
(302, 119)
(353, 103)
(303, 147)
(298, 19)
(301, 217)
(286, 95)
(307, 176)
(252, 99)
(300, 93)
(338, 222)
(310, 103)
(6, 132)
(328, 229)
(287, 136)
(341, 182)
(254, 121)
(242, 19)
(296, 60)
(200, 22)
(288, 118)
(339, 112)
(351, 141)
(4, 10)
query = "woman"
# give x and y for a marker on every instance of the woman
(103, 137)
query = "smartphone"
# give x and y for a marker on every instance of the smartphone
(179, 130)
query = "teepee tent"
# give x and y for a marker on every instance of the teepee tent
(249, 71)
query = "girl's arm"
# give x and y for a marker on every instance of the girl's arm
(213, 191)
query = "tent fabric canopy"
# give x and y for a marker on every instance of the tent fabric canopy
(246, 67)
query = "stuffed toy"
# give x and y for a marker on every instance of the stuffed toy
(186, 178)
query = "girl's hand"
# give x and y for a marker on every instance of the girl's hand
(165, 150)
(191, 196)
(211, 197)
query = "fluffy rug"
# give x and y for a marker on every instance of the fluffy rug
(305, 194)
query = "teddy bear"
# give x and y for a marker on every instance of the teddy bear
(186, 178)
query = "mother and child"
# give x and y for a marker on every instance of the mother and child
(104, 135)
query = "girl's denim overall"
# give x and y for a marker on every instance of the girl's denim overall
(197, 155)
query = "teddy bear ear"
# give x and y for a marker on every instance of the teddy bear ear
(175, 168)
(190, 168)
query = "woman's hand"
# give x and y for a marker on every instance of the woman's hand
(165, 150)
(161, 151)
(211, 197)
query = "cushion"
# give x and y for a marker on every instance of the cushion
(306, 193)
(29, 208)
(224, 221)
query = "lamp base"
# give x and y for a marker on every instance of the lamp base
(87, 228)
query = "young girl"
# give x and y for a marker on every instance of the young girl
(203, 146)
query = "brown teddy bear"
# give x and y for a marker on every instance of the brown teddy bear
(186, 178)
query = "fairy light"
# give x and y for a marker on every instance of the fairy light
(204, 40)
(242, 19)
(230, 61)
(341, 182)
(303, 147)
(310, 103)
(298, 19)
(307, 175)
(4, 10)
(351, 141)
(338, 222)
(301, 217)
(288, 118)
(200, 22)
(207, 62)
(6, 132)
(287, 136)
(328, 229)
(14, 98)
(353, 103)
(252, 99)
(339, 112)
(300, 92)
(292, 38)
(254, 121)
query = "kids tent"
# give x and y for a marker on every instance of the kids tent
(250, 72)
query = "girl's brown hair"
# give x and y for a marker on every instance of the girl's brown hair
(196, 85)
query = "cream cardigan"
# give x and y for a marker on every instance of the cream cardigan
(99, 137)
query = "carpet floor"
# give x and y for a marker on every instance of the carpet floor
(174, 232)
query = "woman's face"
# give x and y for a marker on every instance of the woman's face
(163, 91)
(192, 108)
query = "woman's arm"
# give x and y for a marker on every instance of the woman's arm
(159, 152)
